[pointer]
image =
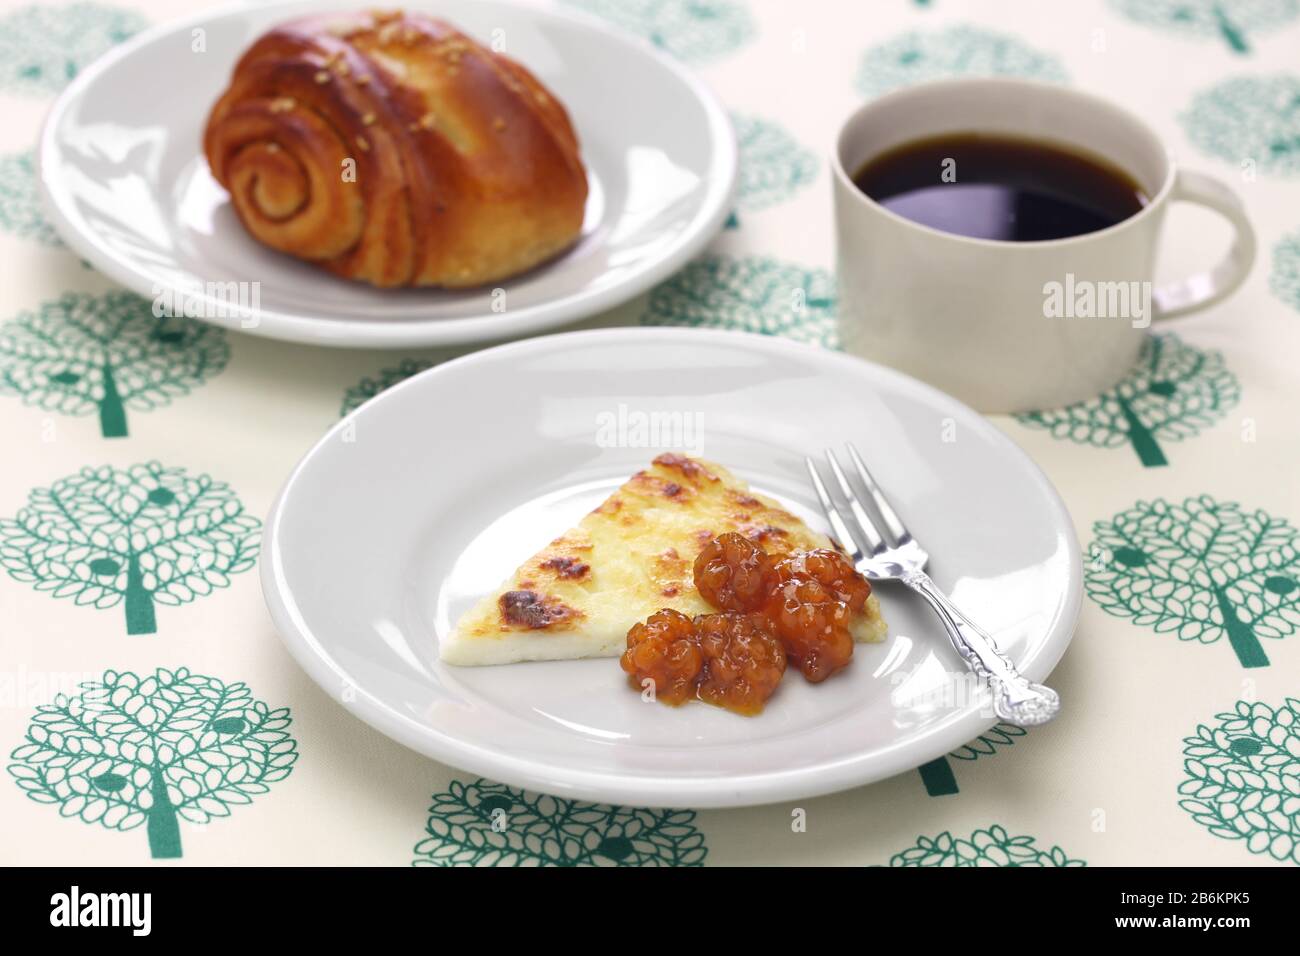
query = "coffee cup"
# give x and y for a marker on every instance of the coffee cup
(1010, 326)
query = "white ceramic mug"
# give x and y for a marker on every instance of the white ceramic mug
(977, 317)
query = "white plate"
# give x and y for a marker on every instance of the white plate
(431, 494)
(129, 190)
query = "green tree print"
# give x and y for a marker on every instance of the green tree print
(140, 536)
(962, 50)
(20, 205)
(938, 776)
(691, 30)
(1174, 392)
(1285, 278)
(992, 846)
(773, 165)
(1203, 570)
(1243, 778)
(1249, 119)
(490, 824)
(368, 388)
(83, 354)
(750, 294)
(153, 751)
(1227, 20)
(42, 47)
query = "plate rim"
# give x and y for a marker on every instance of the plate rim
(963, 725)
(716, 206)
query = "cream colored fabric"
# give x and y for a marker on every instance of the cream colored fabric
(1101, 783)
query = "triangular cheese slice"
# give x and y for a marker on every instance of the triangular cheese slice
(627, 559)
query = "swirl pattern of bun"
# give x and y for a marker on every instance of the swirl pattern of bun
(393, 149)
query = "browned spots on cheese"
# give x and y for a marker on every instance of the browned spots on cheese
(652, 486)
(763, 534)
(535, 612)
(567, 567)
(669, 572)
(670, 564)
(689, 468)
(573, 540)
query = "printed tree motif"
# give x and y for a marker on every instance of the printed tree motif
(82, 354)
(140, 537)
(490, 824)
(1249, 120)
(1285, 279)
(1173, 392)
(153, 751)
(773, 165)
(368, 388)
(20, 205)
(1202, 569)
(691, 30)
(920, 55)
(1243, 778)
(937, 775)
(43, 47)
(989, 847)
(751, 294)
(1227, 20)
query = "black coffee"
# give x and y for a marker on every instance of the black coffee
(1000, 187)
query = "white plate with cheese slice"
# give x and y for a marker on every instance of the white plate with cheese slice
(422, 502)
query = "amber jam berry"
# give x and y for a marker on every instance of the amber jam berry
(733, 574)
(664, 650)
(795, 609)
(814, 627)
(743, 661)
(831, 570)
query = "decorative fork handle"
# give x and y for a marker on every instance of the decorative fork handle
(1015, 698)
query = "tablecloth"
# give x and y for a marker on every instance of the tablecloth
(1179, 742)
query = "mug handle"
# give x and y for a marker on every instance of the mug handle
(1205, 288)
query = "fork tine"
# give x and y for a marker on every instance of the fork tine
(841, 530)
(893, 523)
(860, 517)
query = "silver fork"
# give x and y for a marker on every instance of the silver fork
(898, 556)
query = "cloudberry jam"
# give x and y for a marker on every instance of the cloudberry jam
(733, 574)
(743, 661)
(796, 609)
(664, 650)
(831, 570)
(813, 625)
